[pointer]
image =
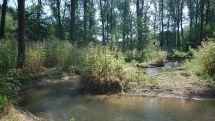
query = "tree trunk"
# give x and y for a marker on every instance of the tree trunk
(182, 30)
(85, 19)
(3, 17)
(124, 25)
(139, 25)
(39, 9)
(103, 22)
(21, 34)
(202, 5)
(91, 19)
(72, 20)
(162, 24)
(60, 28)
(178, 24)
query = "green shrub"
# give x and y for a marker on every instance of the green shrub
(35, 56)
(204, 59)
(207, 57)
(8, 55)
(160, 58)
(150, 54)
(179, 54)
(99, 63)
(58, 53)
(9, 86)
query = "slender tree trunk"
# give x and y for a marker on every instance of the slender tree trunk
(208, 12)
(182, 30)
(178, 24)
(139, 25)
(39, 9)
(91, 19)
(72, 20)
(125, 13)
(111, 20)
(191, 19)
(103, 22)
(21, 34)
(85, 19)
(202, 5)
(60, 28)
(168, 37)
(162, 24)
(2, 25)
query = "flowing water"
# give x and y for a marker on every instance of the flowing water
(168, 67)
(63, 102)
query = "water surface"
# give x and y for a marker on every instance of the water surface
(61, 102)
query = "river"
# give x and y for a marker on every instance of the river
(62, 102)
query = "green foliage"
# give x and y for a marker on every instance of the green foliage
(35, 56)
(179, 54)
(204, 59)
(150, 53)
(58, 53)
(99, 63)
(139, 77)
(8, 55)
(9, 86)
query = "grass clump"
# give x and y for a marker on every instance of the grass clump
(101, 69)
(58, 53)
(101, 64)
(140, 78)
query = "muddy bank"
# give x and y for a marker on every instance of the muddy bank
(174, 84)
(52, 79)
(18, 115)
(178, 83)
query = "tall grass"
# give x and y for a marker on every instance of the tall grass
(8, 55)
(38, 55)
(99, 63)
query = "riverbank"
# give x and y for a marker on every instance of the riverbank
(18, 115)
(178, 83)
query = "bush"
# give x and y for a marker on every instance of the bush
(160, 58)
(204, 59)
(101, 70)
(101, 64)
(179, 54)
(152, 54)
(9, 86)
(8, 55)
(35, 56)
(58, 53)
(207, 57)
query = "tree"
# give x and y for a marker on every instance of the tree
(202, 6)
(21, 34)
(103, 21)
(162, 24)
(59, 21)
(3, 17)
(72, 19)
